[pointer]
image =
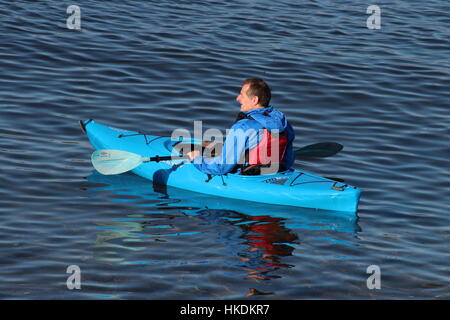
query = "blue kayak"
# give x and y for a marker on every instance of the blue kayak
(290, 188)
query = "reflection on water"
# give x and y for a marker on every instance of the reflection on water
(259, 242)
(113, 237)
(255, 238)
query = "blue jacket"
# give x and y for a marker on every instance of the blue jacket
(244, 135)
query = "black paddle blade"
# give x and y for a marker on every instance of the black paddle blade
(336, 179)
(319, 150)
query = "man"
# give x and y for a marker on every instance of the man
(261, 137)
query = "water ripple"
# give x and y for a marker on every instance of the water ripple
(384, 94)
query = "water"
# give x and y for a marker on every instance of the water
(158, 66)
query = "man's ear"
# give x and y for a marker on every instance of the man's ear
(255, 100)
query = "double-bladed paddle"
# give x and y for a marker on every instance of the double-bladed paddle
(109, 161)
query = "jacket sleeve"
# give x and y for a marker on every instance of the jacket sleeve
(233, 150)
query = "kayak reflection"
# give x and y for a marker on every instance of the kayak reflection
(256, 236)
(257, 241)
(129, 184)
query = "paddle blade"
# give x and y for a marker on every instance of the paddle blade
(114, 161)
(319, 150)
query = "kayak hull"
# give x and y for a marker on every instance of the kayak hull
(156, 198)
(290, 188)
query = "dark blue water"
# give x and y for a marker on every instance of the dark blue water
(157, 66)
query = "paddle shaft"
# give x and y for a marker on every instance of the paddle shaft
(117, 161)
(162, 158)
(317, 150)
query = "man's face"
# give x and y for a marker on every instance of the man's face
(247, 103)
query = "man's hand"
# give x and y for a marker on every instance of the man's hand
(193, 154)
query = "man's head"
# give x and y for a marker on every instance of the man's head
(255, 94)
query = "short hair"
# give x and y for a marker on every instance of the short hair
(259, 88)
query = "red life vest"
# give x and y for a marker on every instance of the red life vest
(271, 236)
(270, 149)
